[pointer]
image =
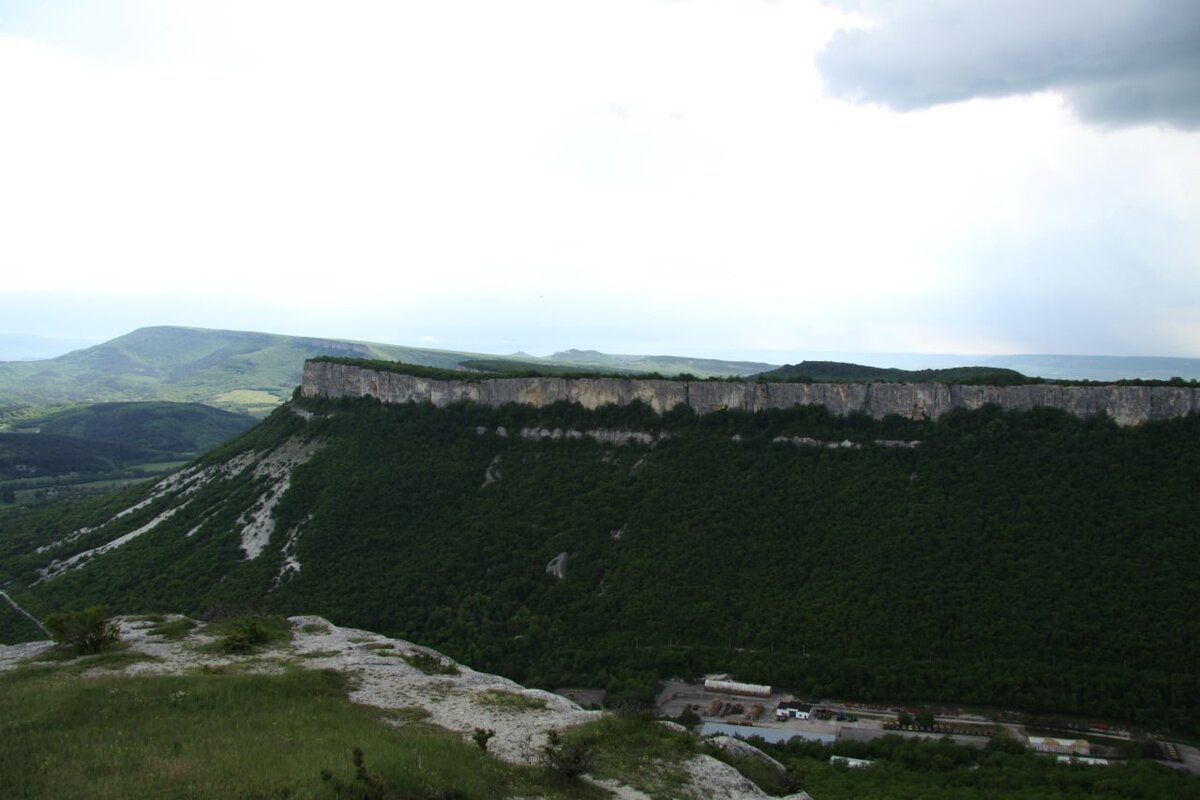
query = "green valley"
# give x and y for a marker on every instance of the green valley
(93, 448)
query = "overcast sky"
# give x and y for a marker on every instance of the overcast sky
(724, 178)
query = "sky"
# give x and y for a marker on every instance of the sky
(732, 178)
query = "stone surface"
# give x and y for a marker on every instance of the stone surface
(1127, 405)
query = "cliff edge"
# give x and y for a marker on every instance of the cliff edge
(1127, 405)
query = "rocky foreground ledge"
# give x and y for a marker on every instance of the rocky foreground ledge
(1127, 405)
(381, 677)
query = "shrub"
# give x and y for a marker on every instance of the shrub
(87, 631)
(366, 786)
(430, 665)
(567, 758)
(247, 632)
(175, 629)
(482, 736)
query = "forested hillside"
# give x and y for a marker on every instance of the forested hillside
(166, 429)
(1031, 560)
(95, 448)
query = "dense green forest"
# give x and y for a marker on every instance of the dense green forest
(479, 369)
(29, 455)
(842, 372)
(836, 371)
(928, 769)
(1028, 560)
(92, 448)
(170, 429)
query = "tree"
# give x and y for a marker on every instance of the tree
(88, 631)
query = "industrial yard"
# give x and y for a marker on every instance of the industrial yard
(749, 710)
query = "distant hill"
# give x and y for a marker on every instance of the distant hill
(664, 365)
(839, 371)
(254, 372)
(237, 370)
(73, 449)
(31, 456)
(176, 429)
(1049, 366)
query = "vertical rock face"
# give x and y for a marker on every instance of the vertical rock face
(1127, 405)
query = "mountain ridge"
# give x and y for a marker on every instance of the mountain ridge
(1127, 405)
(246, 371)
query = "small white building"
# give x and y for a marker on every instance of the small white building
(733, 687)
(1095, 762)
(852, 763)
(792, 709)
(1056, 746)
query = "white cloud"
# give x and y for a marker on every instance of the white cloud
(1118, 63)
(558, 174)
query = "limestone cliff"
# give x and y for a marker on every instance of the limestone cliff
(1127, 405)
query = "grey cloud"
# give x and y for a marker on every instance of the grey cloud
(1118, 62)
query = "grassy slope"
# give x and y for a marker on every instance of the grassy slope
(215, 735)
(76, 727)
(185, 364)
(664, 365)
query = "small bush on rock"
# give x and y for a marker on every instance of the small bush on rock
(482, 736)
(87, 631)
(567, 758)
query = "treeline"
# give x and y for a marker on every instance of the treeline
(929, 769)
(166, 429)
(37, 455)
(837, 371)
(483, 369)
(1030, 560)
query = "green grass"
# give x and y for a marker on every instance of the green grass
(247, 399)
(174, 630)
(247, 634)
(214, 735)
(498, 698)
(430, 665)
(319, 654)
(159, 466)
(767, 777)
(639, 752)
(314, 628)
(68, 661)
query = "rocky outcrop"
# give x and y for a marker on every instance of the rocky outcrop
(1127, 405)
